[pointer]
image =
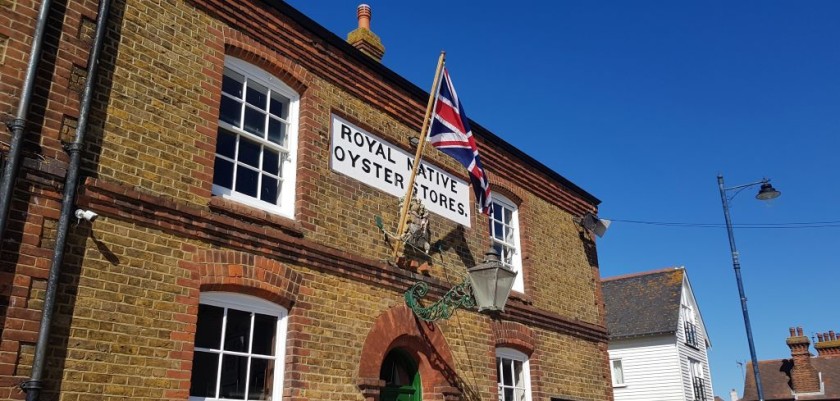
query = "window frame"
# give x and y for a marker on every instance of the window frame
(690, 326)
(517, 356)
(285, 205)
(516, 260)
(616, 383)
(696, 373)
(251, 304)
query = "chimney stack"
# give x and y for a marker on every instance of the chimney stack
(828, 345)
(804, 378)
(363, 38)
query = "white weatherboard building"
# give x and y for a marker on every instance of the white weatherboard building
(658, 341)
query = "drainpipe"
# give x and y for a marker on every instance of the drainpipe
(18, 124)
(33, 385)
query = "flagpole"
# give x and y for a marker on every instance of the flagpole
(419, 154)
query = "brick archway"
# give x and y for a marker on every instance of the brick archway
(514, 335)
(244, 273)
(398, 328)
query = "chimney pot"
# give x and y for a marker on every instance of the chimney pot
(799, 331)
(819, 337)
(792, 332)
(363, 14)
(831, 333)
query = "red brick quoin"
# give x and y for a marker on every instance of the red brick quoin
(398, 328)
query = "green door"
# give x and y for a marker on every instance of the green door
(402, 380)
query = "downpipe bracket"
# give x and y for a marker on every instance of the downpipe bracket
(73, 147)
(16, 124)
(30, 385)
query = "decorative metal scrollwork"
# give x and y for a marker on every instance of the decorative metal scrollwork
(460, 296)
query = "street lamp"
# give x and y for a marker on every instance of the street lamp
(486, 286)
(766, 192)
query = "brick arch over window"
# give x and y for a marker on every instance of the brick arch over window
(503, 187)
(514, 335)
(245, 273)
(240, 46)
(398, 328)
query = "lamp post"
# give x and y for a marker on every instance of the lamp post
(766, 192)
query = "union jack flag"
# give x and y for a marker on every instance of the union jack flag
(450, 133)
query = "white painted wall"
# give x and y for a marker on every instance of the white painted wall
(652, 369)
(698, 354)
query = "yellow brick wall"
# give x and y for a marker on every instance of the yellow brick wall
(127, 302)
(151, 142)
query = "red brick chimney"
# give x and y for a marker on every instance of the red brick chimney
(363, 38)
(804, 378)
(828, 345)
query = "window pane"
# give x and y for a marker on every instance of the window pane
(278, 105)
(498, 230)
(264, 329)
(208, 331)
(277, 132)
(518, 377)
(249, 152)
(507, 255)
(508, 216)
(238, 330)
(232, 382)
(509, 394)
(497, 211)
(507, 372)
(223, 173)
(230, 111)
(254, 122)
(246, 181)
(520, 395)
(203, 377)
(232, 83)
(618, 372)
(271, 162)
(257, 95)
(226, 143)
(509, 235)
(259, 385)
(269, 189)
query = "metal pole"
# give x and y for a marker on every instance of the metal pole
(18, 125)
(34, 384)
(736, 264)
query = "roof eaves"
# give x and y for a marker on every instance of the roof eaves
(631, 336)
(417, 92)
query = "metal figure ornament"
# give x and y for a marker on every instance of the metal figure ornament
(417, 233)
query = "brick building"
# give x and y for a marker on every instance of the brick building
(234, 254)
(803, 376)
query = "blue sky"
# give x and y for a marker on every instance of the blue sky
(643, 104)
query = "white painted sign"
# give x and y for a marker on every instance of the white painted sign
(366, 158)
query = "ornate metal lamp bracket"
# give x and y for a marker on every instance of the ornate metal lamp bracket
(460, 296)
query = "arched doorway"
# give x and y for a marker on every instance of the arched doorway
(401, 376)
(399, 340)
